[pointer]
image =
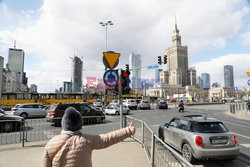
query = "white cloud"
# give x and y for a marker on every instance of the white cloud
(245, 38)
(144, 27)
(215, 68)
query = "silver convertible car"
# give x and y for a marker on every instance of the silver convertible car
(200, 137)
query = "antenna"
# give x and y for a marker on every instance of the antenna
(205, 116)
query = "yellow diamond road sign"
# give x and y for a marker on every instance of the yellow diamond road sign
(248, 73)
(111, 58)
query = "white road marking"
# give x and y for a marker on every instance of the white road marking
(157, 125)
(236, 124)
(245, 145)
(241, 135)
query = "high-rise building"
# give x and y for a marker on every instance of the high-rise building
(67, 86)
(157, 75)
(177, 64)
(135, 74)
(33, 88)
(1, 76)
(192, 77)
(199, 83)
(228, 76)
(205, 81)
(16, 64)
(77, 74)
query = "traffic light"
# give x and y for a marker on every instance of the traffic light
(125, 81)
(127, 67)
(159, 60)
(165, 59)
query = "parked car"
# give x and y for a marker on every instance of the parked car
(173, 100)
(162, 105)
(90, 114)
(115, 109)
(97, 103)
(30, 110)
(10, 123)
(131, 104)
(144, 104)
(199, 137)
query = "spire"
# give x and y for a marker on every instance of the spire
(175, 21)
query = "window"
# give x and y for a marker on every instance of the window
(210, 127)
(27, 106)
(84, 108)
(174, 123)
(183, 124)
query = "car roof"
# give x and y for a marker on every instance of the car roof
(198, 118)
(29, 104)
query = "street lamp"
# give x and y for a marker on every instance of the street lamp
(109, 23)
(106, 29)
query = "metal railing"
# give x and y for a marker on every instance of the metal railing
(158, 153)
(239, 107)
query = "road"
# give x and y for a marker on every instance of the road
(154, 118)
(40, 129)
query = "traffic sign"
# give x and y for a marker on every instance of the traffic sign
(235, 88)
(111, 58)
(106, 63)
(111, 78)
(153, 67)
(248, 82)
(248, 73)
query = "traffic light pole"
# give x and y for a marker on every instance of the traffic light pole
(120, 98)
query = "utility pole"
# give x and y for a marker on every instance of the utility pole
(120, 98)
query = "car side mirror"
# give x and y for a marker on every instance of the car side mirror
(167, 125)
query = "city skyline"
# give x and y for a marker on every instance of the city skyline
(220, 39)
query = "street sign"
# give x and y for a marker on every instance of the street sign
(106, 63)
(153, 67)
(111, 78)
(111, 58)
(235, 88)
(248, 73)
(248, 82)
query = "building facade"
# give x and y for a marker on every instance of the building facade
(192, 77)
(135, 74)
(67, 86)
(77, 74)
(228, 76)
(157, 75)
(205, 81)
(1, 75)
(16, 64)
(177, 65)
(33, 88)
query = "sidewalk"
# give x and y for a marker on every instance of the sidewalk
(241, 114)
(128, 153)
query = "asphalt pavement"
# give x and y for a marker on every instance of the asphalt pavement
(241, 127)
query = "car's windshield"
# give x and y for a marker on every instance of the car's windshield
(112, 106)
(210, 127)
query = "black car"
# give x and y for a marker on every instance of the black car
(90, 114)
(162, 105)
(10, 123)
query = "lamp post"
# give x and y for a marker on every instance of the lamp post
(109, 23)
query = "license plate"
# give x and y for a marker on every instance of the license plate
(219, 141)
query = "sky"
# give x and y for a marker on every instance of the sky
(217, 33)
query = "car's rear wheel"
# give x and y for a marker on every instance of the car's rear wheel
(57, 123)
(24, 115)
(116, 113)
(187, 153)
(7, 127)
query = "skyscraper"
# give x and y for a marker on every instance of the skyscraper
(177, 65)
(157, 75)
(16, 64)
(192, 77)
(205, 81)
(134, 62)
(228, 76)
(77, 74)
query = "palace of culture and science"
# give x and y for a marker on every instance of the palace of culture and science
(177, 75)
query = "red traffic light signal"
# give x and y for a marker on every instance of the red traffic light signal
(165, 59)
(126, 74)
